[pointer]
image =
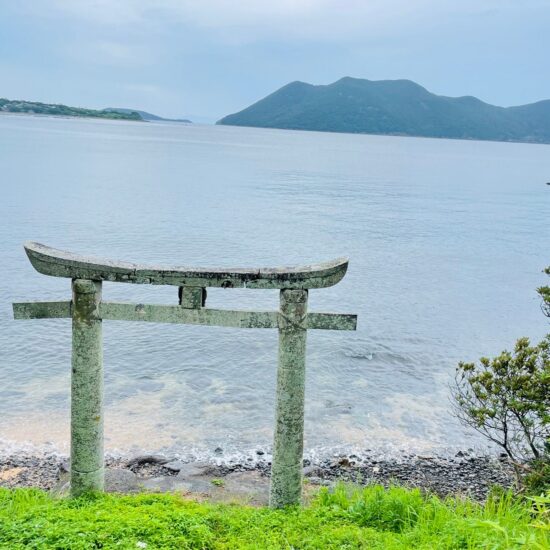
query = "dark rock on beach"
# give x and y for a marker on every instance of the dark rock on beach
(121, 480)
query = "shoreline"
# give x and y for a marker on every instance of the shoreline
(466, 473)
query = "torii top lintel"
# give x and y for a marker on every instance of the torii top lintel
(58, 263)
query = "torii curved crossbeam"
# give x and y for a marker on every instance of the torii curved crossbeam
(59, 263)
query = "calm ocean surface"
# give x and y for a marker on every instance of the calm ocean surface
(446, 239)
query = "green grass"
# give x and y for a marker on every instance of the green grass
(348, 517)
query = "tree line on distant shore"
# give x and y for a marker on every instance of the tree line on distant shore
(52, 109)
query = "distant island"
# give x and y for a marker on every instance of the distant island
(53, 109)
(393, 107)
(144, 115)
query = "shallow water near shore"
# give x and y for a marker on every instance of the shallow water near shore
(446, 239)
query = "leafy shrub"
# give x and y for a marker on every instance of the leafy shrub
(507, 399)
(544, 293)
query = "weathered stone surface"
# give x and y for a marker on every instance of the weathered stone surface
(119, 480)
(248, 487)
(59, 263)
(148, 459)
(174, 466)
(220, 317)
(195, 469)
(154, 313)
(193, 477)
(163, 484)
(288, 443)
(42, 310)
(331, 321)
(179, 314)
(86, 389)
(192, 297)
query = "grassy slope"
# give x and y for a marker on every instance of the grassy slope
(348, 518)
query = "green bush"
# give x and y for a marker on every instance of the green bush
(544, 293)
(507, 399)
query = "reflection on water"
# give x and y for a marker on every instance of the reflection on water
(447, 240)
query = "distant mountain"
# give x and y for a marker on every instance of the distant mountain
(144, 115)
(393, 107)
(52, 109)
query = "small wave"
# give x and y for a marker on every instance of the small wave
(261, 455)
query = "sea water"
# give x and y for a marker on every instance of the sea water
(447, 241)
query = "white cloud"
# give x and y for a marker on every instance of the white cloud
(116, 53)
(311, 19)
(195, 47)
(151, 94)
(109, 53)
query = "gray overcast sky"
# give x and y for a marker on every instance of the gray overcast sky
(211, 58)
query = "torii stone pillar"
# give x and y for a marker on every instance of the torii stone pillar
(87, 472)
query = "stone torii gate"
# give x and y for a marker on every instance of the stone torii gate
(87, 311)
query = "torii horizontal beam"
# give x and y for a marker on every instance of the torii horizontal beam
(116, 311)
(58, 263)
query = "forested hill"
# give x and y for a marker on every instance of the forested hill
(144, 115)
(54, 109)
(393, 107)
